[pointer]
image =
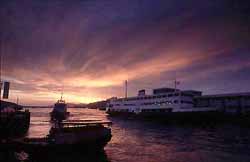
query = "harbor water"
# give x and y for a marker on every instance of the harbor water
(147, 141)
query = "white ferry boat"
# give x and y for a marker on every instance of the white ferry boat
(163, 100)
(172, 103)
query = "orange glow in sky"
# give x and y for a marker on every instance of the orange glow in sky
(87, 50)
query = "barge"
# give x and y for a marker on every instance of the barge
(65, 137)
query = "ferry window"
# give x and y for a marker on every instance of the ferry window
(176, 94)
(170, 95)
(175, 101)
(187, 102)
(187, 95)
(169, 102)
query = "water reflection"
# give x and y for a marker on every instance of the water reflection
(135, 141)
(55, 157)
(143, 141)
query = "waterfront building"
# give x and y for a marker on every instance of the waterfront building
(229, 103)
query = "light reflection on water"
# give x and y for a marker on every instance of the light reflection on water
(142, 141)
(40, 119)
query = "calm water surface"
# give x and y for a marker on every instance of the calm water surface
(142, 141)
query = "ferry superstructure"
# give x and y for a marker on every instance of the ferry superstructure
(175, 101)
(162, 100)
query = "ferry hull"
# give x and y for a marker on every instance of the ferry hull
(199, 117)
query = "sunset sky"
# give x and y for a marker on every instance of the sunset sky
(89, 48)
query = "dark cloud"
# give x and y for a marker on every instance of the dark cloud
(91, 47)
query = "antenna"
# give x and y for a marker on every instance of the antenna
(126, 88)
(62, 92)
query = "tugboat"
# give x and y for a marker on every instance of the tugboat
(59, 111)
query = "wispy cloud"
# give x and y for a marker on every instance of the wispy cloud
(91, 47)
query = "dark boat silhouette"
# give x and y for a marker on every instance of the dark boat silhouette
(14, 120)
(67, 137)
(59, 111)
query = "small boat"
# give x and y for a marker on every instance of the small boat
(67, 137)
(59, 111)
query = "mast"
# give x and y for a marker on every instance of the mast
(175, 84)
(61, 95)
